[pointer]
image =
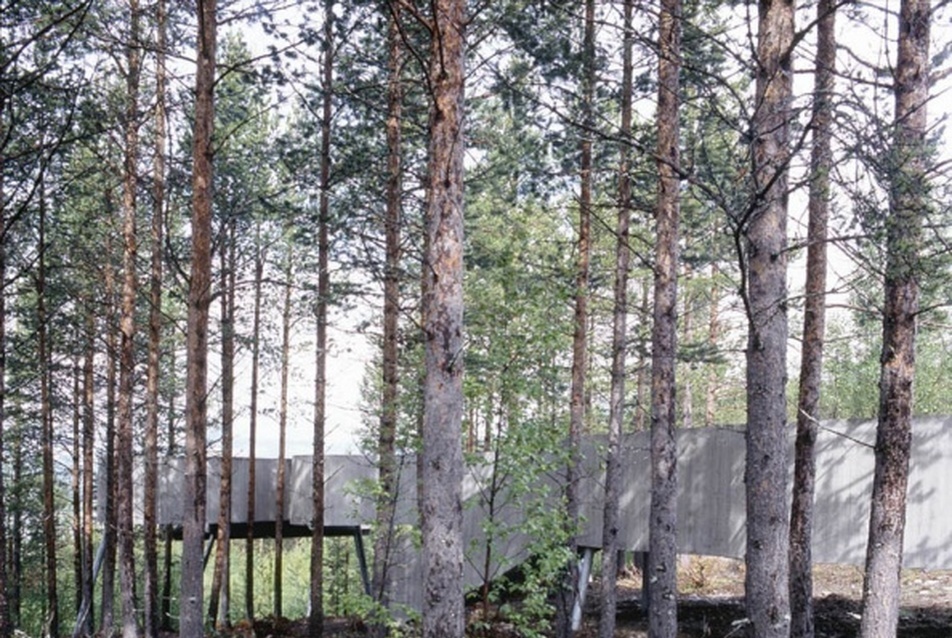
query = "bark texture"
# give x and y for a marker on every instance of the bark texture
(253, 428)
(191, 600)
(814, 323)
(442, 457)
(766, 583)
(663, 521)
(127, 332)
(323, 300)
(567, 594)
(610, 518)
(386, 451)
(278, 584)
(908, 208)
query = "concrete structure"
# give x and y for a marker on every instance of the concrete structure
(710, 501)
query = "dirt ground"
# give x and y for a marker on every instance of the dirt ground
(711, 605)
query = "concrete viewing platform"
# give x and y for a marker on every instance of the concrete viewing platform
(711, 499)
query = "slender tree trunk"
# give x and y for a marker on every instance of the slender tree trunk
(613, 475)
(6, 626)
(76, 493)
(151, 443)
(442, 467)
(643, 383)
(568, 592)
(199, 294)
(687, 325)
(663, 521)
(323, 300)
(282, 432)
(109, 528)
(170, 452)
(908, 209)
(713, 334)
(253, 429)
(218, 607)
(46, 419)
(814, 320)
(16, 551)
(767, 584)
(386, 452)
(124, 434)
(89, 443)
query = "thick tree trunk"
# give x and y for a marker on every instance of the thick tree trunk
(151, 443)
(442, 457)
(613, 475)
(253, 429)
(567, 594)
(663, 521)
(278, 590)
(767, 585)
(199, 294)
(46, 420)
(908, 209)
(323, 300)
(814, 320)
(386, 452)
(124, 434)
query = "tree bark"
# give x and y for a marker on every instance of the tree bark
(127, 330)
(219, 599)
(323, 300)
(199, 294)
(5, 625)
(386, 452)
(713, 334)
(767, 584)
(663, 520)
(253, 429)
(908, 208)
(442, 466)
(151, 443)
(89, 443)
(278, 590)
(46, 420)
(107, 620)
(613, 476)
(814, 321)
(567, 594)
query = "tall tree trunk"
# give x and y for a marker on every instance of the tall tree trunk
(5, 625)
(199, 294)
(218, 606)
(663, 520)
(89, 443)
(908, 210)
(713, 334)
(766, 584)
(282, 431)
(76, 483)
(687, 326)
(124, 434)
(16, 550)
(814, 320)
(151, 443)
(642, 382)
(107, 621)
(567, 593)
(442, 466)
(170, 452)
(386, 452)
(613, 475)
(323, 300)
(46, 420)
(253, 428)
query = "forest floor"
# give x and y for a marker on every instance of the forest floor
(711, 605)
